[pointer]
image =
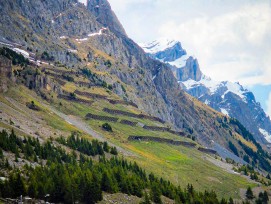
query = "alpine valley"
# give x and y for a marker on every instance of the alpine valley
(88, 116)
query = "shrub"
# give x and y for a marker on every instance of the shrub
(31, 105)
(107, 127)
(110, 87)
(108, 63)
(45, 56)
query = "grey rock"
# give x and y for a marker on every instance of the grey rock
(6, 74)
(101, 9)
(170, 54)
(191, 70)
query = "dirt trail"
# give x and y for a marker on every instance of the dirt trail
(77, 122)
(25, 120)
(223, 165)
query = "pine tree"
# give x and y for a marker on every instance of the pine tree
(92, 193)
(114, 151)
(249, 193)
(107, 183)
(17, 184)
(223, 201)
(190, 189)
(265, 197)
(231, 201)
(146, 199)
(156, 193)
(1, 154)
(33, 189)
(105, 147)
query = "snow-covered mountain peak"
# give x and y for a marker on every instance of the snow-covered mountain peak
(229, 98)
(159, 45)
(83, 2)
(215, 87)
(167, 51)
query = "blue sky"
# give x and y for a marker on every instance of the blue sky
(262, 94)
(230, 38)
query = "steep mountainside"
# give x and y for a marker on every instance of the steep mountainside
(228, 98)
(79, 70)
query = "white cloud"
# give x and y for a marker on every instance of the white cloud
(232, 46)
(231, 39)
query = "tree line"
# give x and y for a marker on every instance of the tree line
(17, 59)
(261, 158)
(90, 148)
(70, 178)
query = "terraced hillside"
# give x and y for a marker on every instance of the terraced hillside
(72, 75)
(181, 164)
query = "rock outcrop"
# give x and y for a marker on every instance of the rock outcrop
(6, 74)
(191, 70)
(101, 9)
(172, 53)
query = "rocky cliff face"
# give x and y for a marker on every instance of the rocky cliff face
(191, 70)
(228, 98)
(6, 74)
(172, 53)
(44, 26)
(75, 36)
(101, 9)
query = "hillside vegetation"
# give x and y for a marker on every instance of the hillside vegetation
(83, 109)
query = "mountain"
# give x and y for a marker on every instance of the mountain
(77, 36)
(70, 75)
(229, 98)
(60, 27)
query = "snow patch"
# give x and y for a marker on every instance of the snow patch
(85, 2)
(213, 86)
(92, 34)
(207, 102)
(266, 135)
(205, 81)
(82, 39)
(235, 88)
(224, 111)
(71, 50)
(20, 51)
(179, 63)
(63, 37)
(99, 33)
(58, 15)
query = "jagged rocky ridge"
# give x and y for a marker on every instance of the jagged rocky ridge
(229, 98)
(73, 34)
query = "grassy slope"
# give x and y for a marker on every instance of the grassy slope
(181, 165)
(23, 95)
